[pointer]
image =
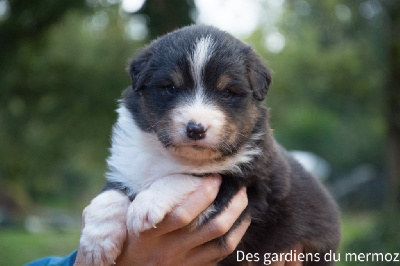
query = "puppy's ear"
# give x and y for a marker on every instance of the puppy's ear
(137, 68)
(258, 75)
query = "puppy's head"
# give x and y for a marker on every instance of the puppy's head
(198, 89)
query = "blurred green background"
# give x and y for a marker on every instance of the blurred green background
(335, 95)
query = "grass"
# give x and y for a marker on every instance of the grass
(355, 225)
(18, 247)
(379, 236)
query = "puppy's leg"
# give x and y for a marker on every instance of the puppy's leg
(151, 205)
(105, 228)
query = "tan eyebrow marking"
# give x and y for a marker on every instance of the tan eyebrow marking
(177, 78)
(223, 81)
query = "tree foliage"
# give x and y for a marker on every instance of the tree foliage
(393, 99)
(27, 21)
(328, 90)
(57, 100)
(166, 16)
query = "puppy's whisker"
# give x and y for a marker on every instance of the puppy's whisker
(227, 146)
(152, 126)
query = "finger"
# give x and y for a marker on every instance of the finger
(214, 252)
(294, 262)
(220, 224)
(297, 250)
(278, 263)
(196, 203)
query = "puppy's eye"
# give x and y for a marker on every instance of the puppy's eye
(228, 94)
(171, 90)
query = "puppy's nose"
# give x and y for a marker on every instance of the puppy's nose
(195, 131)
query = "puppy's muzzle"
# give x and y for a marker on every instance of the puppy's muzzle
(195, 131)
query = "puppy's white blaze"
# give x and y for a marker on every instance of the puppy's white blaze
(201, 54)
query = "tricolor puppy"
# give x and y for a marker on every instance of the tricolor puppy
(195, 108)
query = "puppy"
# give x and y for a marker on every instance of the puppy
(195, 108)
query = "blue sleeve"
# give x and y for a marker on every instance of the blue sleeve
(55, 261)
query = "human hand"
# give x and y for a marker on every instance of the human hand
(175, 242)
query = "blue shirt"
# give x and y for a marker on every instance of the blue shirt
(55, 261)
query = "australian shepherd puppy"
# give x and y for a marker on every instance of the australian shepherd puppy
(195, 108)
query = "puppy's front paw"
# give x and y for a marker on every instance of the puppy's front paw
(101, 250)
(104, 229)
(146, 211)
(151, 205)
